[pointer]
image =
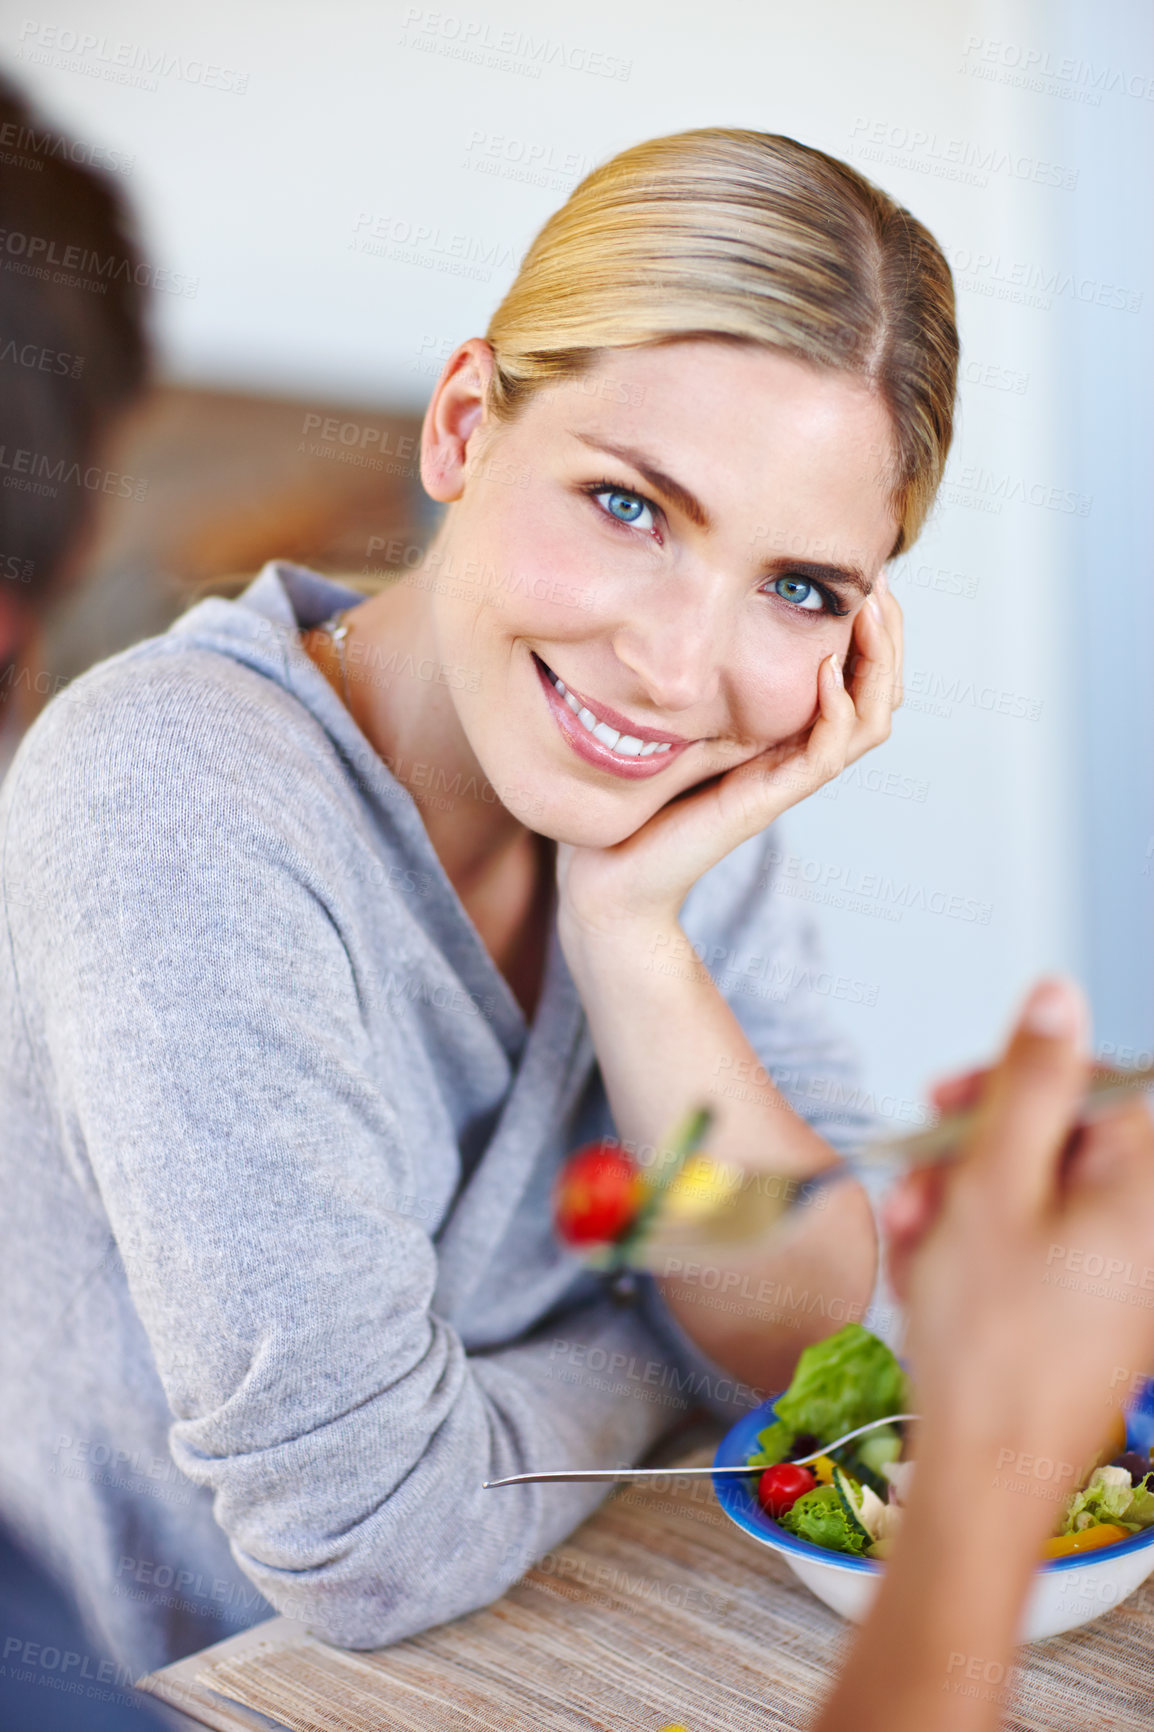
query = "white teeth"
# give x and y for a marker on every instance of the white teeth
(626, 745)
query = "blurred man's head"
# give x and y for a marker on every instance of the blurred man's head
(73, 354)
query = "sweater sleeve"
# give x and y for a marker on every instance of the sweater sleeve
(198, 1019)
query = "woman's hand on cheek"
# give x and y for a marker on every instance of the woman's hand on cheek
(645, 879)
(874, 669)
(852, 717)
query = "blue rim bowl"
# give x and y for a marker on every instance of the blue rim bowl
(738, 1497)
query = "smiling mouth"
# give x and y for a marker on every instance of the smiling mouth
(642, 744)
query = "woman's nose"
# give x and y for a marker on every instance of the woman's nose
(676, 648)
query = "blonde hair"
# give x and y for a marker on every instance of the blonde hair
(727, 233)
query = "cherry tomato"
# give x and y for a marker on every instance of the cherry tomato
(779, 1487)
(598, 1194)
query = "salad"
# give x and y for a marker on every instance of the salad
(851, 1499)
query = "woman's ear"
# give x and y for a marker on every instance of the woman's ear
(455, 417)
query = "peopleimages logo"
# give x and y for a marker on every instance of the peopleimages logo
(35, 255)
(1029, 67)
(533, 162)
(121, 62)
(1034, 285)
(509, 50)
(40, 359)
(988, 490)
(923, 149)
(65, 1661)
(36, 472)
(402, 241)
(25, 146)
(845, 886)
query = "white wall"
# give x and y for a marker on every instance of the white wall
(470, 125)
(1111, 429)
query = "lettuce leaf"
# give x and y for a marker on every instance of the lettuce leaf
(1141, 1508)
(774, 1444)
(1107, 1497)
(842, 1382)
(818, 1517)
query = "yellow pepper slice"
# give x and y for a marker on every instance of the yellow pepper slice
(701, 1186)
(1089, 1540)
(822, 1470)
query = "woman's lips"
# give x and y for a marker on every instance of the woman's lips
(589, 747)
(614, 719)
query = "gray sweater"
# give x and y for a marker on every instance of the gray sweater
(278, 1281)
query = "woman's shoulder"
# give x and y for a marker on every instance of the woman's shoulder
(169, 733)
(160, 701)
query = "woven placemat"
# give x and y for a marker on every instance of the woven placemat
(658, 1610)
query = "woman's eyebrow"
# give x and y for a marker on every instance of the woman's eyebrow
(657, 478)
(848, 576)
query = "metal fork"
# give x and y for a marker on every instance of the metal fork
(1109, 1089)
(762, 1203)
(610, 1473)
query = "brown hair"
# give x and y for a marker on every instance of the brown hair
(728, 233)
(75, 351)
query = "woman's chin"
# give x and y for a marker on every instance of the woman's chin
(578, 829)
(583, 837)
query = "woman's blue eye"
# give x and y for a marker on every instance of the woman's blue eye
(801, 593)
(625, 507)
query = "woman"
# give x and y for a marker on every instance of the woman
(1011, 1369)
(325, 946)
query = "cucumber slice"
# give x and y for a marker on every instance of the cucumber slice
(844, 1487)
(857, 1469)
(880, 1446)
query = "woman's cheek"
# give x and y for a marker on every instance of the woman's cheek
(786, 704)
(533, 538)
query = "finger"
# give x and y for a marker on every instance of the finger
(953, 1094)
(1106, 1151)
(895, 620)
(1032, 1098)
(874, 676)
(831, 736)
(906, 1208)
(873, 647)
(908, 1212)
(728, 809)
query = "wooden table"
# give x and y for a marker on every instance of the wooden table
(657, 1611)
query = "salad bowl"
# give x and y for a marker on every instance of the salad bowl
(1067, 1591)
